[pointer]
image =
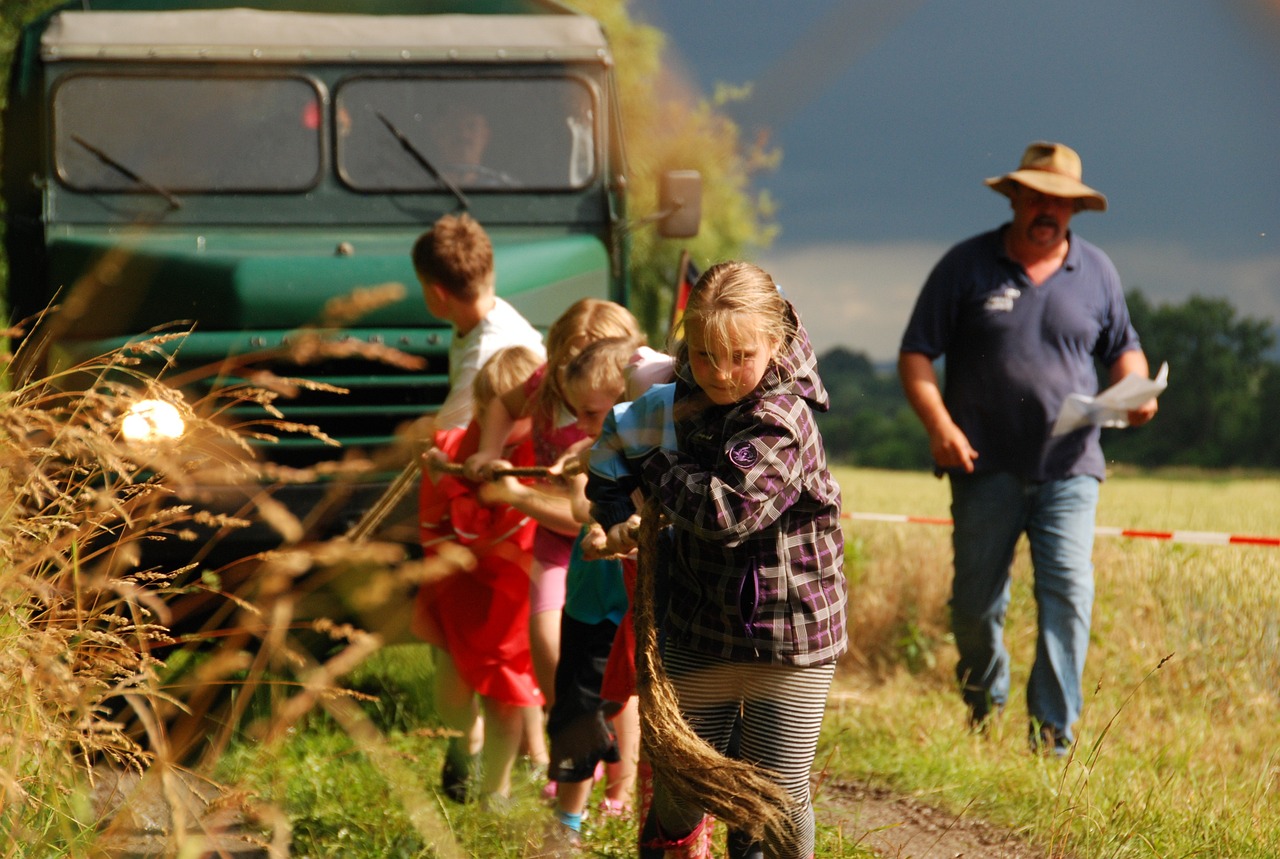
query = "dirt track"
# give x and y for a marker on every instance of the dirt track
(903, 828)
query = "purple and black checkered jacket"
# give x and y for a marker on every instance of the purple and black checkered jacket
(757, 568)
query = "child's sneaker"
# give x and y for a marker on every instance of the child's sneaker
(614, 808)
(455, 778)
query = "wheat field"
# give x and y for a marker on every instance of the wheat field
(1178, 749)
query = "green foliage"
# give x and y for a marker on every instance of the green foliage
(334, 796)
(342, 799)
(667, 128)
(869, 423)
(398, 682)
(1220, 408)
(13, 14)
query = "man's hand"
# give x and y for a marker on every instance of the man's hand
(1134, 362)
(947, 442)
(950, 447)
(1144, 413)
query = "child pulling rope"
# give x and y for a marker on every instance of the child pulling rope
(731, 790)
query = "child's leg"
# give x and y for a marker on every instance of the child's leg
(534, 741)
(456, 702)
(503, 730)
(456, 706)
(571, 801)
(546, 603)
(622, 776)
(544, 644)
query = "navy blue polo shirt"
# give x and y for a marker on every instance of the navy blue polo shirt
(1014, 351)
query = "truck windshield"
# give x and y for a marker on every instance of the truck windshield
(187, 134)
(482, 134)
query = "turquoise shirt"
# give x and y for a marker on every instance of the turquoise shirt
(594, 591)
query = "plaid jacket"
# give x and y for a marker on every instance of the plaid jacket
(757, 567)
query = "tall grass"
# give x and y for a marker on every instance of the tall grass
(1178, 749)
(95, 679)
(79, 622)
(334, 748)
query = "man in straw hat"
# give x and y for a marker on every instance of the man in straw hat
(1020, 313)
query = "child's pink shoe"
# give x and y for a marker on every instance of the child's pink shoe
(614, 808)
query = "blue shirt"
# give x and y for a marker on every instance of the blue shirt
(1014, 351)
(594, 590)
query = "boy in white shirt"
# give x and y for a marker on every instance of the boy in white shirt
(454, 263)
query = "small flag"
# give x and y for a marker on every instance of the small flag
(686, 277)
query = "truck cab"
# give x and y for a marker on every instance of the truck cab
(235, 169)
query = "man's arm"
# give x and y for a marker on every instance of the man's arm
(1134, 361)
(948, 444)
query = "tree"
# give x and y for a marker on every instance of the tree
(869, 423)
(1221, 384)
(669, 128)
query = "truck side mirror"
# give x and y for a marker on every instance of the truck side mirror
(679, 204)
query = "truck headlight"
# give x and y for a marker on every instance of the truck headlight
(152, 421)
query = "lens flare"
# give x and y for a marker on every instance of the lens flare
(151, 421)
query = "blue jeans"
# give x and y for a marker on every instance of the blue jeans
(991, 511)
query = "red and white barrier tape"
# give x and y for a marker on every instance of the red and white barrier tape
(1209, 538)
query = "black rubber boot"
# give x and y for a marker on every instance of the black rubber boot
(656, 844)
(740, 846)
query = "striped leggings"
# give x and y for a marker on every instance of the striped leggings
(781, 707)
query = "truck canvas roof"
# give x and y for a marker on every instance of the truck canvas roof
(253, 35)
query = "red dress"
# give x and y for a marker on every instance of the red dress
(620, 671)
(481, 616)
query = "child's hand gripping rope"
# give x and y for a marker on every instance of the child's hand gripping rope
(568, 468)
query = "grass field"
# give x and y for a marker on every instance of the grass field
(1178, 751)
(1179, 745)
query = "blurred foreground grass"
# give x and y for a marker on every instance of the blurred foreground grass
(1178, 753)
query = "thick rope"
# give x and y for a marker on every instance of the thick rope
(407, 479)
(536, 472)
(735, 791)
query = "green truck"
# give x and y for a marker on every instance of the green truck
(238, 165)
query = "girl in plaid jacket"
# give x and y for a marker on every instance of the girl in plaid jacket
(753, 618)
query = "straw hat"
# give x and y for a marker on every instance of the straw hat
(1054, 169)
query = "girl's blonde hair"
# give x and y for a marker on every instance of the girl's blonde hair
(586, 320)
(601, 365)
(733, 297)
(504, 372)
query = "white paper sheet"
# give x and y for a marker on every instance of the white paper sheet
(1111, 407)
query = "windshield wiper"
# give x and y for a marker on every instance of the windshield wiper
(417, 155)
(124, 171)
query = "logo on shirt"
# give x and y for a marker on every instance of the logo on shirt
(1002, 301)
(743, 455)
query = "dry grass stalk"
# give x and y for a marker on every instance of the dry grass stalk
(85, 632)
(741, 795)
